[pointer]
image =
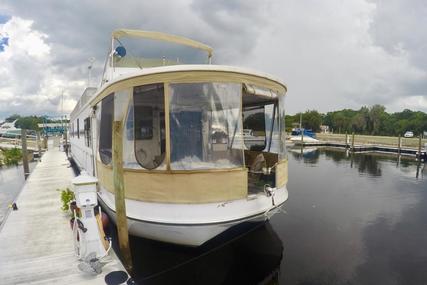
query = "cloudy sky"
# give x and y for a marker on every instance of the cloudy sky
(332, 54)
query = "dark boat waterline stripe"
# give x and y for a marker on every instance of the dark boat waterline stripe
(198, 224)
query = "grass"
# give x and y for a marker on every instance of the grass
(10, 156)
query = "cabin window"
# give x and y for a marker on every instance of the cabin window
(78, 132)
(148, 125)
(273, 128)
(282, 153)
(106, 129)
(205, 126)
(261, 130)
(87, 132)
(254, 127)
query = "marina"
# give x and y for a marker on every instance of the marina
(213, 142)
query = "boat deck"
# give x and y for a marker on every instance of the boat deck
(36, 243)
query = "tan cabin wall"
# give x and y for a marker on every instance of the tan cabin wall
(282, 173)
(179, 187)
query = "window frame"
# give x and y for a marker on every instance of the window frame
(78, 131)
(165, 153)
(105, 128)
(87, 129)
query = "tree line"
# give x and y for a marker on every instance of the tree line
(372, 120)
(29, 122)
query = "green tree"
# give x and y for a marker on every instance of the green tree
(376, 113)
(29, 123)
(312, 120)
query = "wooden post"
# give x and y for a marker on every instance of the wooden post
(419, 148)
(352, 141)
(39, 147)
(346, 139)
(65, 142)
(399, 144)
(45, 142)
(302, 137)
(418, 169)
(122, 226)
(25, 153)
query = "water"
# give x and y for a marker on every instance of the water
(11, 182)
(358, 219)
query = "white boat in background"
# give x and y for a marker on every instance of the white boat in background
(190, 170)
(305, 139)
(302, 135)
(8, 127)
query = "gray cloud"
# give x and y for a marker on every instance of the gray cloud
(399, 27)
(332, 54)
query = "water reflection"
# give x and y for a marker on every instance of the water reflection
(396, 252)
(354, 219)
(252, 258)
(309, 155)
(11, 181)
(366, 163)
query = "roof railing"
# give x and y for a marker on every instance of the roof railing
(123, 33)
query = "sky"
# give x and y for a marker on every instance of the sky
(331, 54)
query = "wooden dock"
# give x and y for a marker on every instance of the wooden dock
(36, 242)
(366, 148)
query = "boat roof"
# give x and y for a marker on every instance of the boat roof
(162, 37)
(189, 67)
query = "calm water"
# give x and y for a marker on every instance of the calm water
(350, 220)
(11, 182)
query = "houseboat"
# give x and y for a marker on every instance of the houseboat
(190, 170)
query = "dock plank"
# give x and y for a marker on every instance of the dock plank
(36, 243)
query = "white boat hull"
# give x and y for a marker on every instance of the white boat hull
(190, 230)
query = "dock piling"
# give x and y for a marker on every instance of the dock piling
(39, 148)
(352, 142)
(419, 148)
(302, 137)
(346, 140)
(25, 153)
(399, 144)
(122, 226)
(65, 142)
(45, 142)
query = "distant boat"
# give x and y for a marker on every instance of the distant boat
(8, 130)
(308, 135)
(203, 144)
(8, 127)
